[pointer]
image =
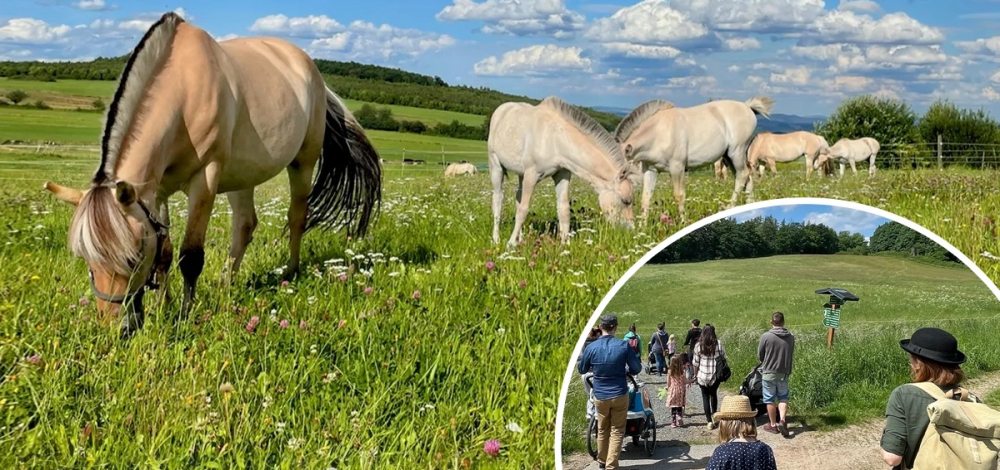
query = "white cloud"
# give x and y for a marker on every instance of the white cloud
(651, 22)
(748, 215)
(517, 17)
(852, 83)
(733, 68)
(995, 78)
(312, 26)
(535, 60)
(991, 94)
(96, 5)
(764, 16)
(840, 26)
(989, 46)
(842, 218)
(859, 5)
(640, 51)
(31, 31)
(793, 76)
(849, 57)
(364, 39)
(226, 37)
(742, 44)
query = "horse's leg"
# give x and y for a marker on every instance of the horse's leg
(497, 174)
(841, 169)
(529, 179)
(166, 256)
(648, 184)
(562, 178)
(244, 224)
(677, 178)
(854, 168)
(871, 166)
(744, 175)
(201, 198)
(809, 165)
(300, 183)
(774, 166)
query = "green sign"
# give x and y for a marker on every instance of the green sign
(831, 318)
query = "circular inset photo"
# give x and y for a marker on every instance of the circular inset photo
(795, 333)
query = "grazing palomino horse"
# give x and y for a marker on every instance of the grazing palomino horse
(456, 169)
(195, 115)
(851, 151)
(555, 139)
(720, 171)
(666, 138)
(784, 148)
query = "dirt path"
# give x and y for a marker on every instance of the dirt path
(850, 448)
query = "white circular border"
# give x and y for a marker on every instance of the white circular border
(722, 215)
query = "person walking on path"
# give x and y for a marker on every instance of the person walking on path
(706, 351)
(740, 449)
(634, 341)
(690, 341)
(935, 361)
(677, 392)
(658, 345)
(594, 334)
(611, 361)
(775, 351)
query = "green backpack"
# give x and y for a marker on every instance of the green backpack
(962, 433)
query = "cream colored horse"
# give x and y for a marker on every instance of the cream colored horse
(670, 139)
(194, 115)
(851, 151)
(784, 148)
(555, 139)
(456, 169)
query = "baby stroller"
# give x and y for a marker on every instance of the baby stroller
(651, 367)
(639, 424)
(752, 389)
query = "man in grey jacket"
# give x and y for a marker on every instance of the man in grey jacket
(775, 352)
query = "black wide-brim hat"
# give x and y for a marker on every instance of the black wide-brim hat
(934, 344)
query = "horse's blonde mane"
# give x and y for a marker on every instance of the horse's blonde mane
(146, 59)
(100, 234)
(638, 116)
(588, 126)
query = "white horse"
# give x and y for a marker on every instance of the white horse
(666, 138)
(456, 169)
(851, 151)
(555, 139)
(785, 148)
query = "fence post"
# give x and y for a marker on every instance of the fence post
(939, 153)
(442, 154)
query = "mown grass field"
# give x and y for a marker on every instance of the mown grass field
(849, 384)
(71, 94)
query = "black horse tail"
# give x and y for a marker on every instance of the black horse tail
(347, 189)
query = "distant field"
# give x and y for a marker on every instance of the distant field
(70, 94)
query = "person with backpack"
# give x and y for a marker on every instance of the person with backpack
(692, 339)
(707, 354)
(774, 351)
(658, 345)
(912, 439)
(634, 341)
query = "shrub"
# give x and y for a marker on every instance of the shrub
(41, 105)
(98, 104)
(889, 121)
(16, 96)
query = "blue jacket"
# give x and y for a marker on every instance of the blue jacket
(609, 358)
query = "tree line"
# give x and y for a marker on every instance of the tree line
(766, 236)
(351, 80)
(380, 118)
(910, 141)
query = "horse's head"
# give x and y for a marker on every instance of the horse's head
(114, 232)
(616, 202)
(821, 159)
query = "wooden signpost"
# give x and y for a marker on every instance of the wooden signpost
(831, 310)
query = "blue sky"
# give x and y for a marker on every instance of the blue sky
(808, 54)
(837, 218)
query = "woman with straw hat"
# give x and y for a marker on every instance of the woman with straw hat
(740, 449)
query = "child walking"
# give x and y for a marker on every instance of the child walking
(677, 386)
(671, 348)
(740, 448)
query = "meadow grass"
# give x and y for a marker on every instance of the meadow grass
(402, 381)
(849, 384)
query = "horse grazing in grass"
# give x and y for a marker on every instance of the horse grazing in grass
(852, 151)
(784, 148)
(456, 169)
(195, 115)
(666, 138)
(555, 139)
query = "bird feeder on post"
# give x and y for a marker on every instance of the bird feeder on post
(831, 310)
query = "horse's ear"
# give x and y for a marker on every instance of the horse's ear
(125, 193)
(68, 195)
(628, 150)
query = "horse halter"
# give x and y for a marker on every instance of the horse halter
(161, 231)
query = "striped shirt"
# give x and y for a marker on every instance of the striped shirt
(705, 364)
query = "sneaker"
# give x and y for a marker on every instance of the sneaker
(600, 466)
(783, 428)
(771, 428)
(680, 422)
(710, 426)
(673, 425)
